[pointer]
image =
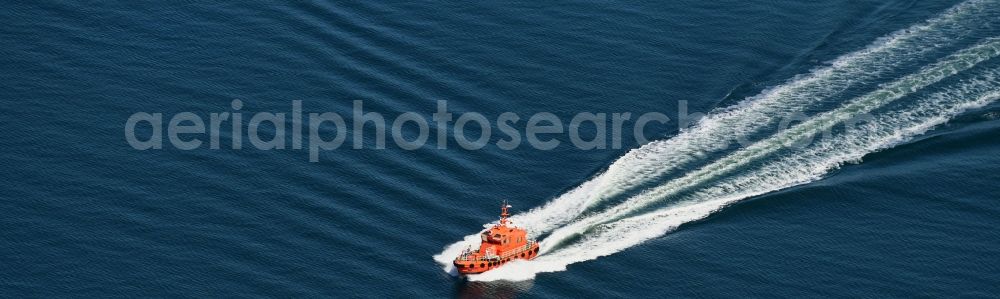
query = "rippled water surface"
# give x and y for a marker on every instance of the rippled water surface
(904, 205)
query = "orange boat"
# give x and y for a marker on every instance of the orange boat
(501, 244)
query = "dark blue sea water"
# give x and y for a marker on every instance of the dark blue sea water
(907, 208)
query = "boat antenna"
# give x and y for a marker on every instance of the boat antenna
(504, 213)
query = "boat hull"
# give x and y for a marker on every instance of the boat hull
(466, 267)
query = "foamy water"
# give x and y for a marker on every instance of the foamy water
(724, 174)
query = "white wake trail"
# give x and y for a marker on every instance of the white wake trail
(713, 134)
(884, 131)
(951, 65)
(720, 128)
(716, 131)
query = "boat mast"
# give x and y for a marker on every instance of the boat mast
(503, 213)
